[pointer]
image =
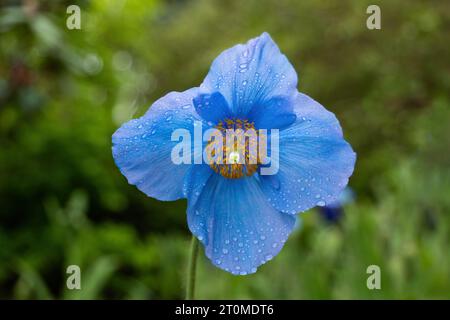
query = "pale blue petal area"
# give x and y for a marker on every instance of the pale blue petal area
(212, 107)
(250, 74)
(239, 229)
(142, 147)
(315, 160)
(195, 181)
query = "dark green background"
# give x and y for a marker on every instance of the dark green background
(64, 92)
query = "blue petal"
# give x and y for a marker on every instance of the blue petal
(277, 113)
(238, 227)
(195, 181)
(250, 74)
(142, 147)
(212, 107)
(315, 161)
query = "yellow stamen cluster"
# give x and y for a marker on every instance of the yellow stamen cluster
(238, 159)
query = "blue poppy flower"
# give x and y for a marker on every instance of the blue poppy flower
(334, 210)
(241, 216)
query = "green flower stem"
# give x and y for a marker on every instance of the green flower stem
(190, 287)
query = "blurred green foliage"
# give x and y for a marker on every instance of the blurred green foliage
(63, 92)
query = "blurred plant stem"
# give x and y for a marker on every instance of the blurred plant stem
(190, 285)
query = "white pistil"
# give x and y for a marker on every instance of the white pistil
(234, 157)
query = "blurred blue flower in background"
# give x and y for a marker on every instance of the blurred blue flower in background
(334, 211)
(242, 217)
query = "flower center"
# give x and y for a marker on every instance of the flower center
(236, 155)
